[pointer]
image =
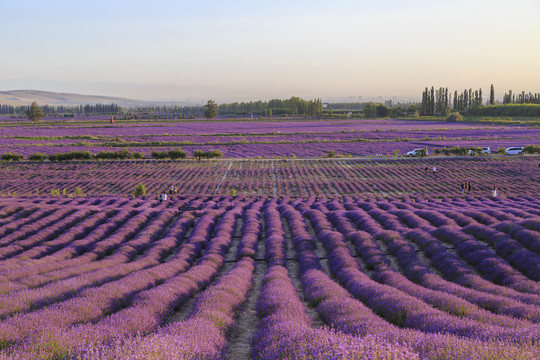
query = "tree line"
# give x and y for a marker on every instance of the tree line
(62, 109)
(293, 106)
(521, 98)
(441, 102)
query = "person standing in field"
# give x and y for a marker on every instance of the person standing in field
(426, 169)
(462, 186)
(434, 169)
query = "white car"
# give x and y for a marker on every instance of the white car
(484, 150)
(417, 152)
(515, 150)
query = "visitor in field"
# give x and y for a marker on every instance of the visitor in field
(495, 191)
(539, 163)
(434, 169)
(163, 197)
(426, 169)
(462, 186)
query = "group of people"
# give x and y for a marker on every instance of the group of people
(433, 170)
(173, 191)
(466, 186)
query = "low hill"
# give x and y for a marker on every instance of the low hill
(26, 97)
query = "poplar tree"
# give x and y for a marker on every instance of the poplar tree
(34, 113)
(492, 95)
(210, 109)
(432, 102)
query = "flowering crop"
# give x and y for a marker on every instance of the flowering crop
(344, 277)
(241, 139)
(322, 178)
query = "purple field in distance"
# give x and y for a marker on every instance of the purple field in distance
(266, 139)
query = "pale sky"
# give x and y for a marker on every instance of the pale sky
(242, 50)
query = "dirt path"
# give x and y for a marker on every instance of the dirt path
(274, 179)
(223, 178)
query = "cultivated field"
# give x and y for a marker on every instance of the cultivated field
(315, 177)
(260, 258)
(258, 138)
(270, 278)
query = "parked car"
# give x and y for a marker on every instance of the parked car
(515, 150)
(484, 150)
(418, 152)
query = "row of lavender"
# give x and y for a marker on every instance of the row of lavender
(112, 278)
(58, 137)
(232, 127)
(403, 177)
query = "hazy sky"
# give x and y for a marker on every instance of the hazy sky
(248, 50)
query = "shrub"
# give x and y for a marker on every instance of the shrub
(207, 154)
(140, 190)
(159, 154)
(37, 157)
(9, 156)
(138, 155)
(177, 154)
(453, 117)
(423, 152)
(73, 155)
(331, 154)
(532, 149)
(114, 155)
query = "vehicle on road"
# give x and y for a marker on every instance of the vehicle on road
(418, 152)
(483, 150)
(515, 150)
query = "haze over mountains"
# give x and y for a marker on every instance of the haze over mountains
(26, 97)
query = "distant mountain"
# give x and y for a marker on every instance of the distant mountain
(26, 97)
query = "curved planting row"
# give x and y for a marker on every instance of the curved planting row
(418, 277)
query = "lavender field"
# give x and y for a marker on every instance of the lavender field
(298, 178)
(258, 277)
(267, 139)
(260, 257)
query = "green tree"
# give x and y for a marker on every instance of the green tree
(370, 109)
(382, 111)
(492, 95)
(34, 113)
(210, 109)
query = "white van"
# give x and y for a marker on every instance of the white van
(484, 150)
(516, 150)
(417, 152)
